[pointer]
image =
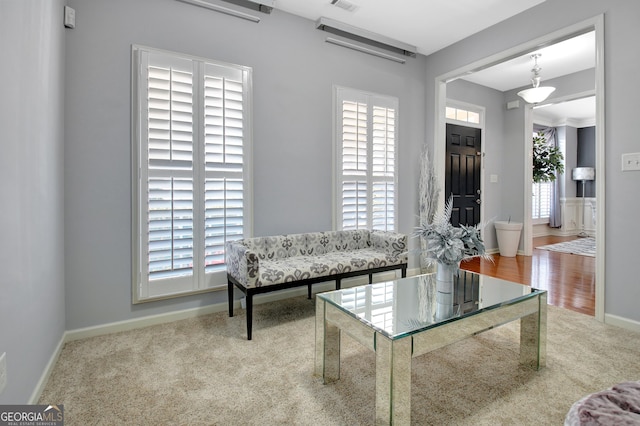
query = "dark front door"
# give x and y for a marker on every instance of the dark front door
(464, 153)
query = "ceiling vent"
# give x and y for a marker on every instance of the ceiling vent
(344, 4)
(264, 6)
(364, 36)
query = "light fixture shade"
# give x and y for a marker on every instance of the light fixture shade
(536, 94)
(583, 173)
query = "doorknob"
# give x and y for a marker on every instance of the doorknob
(478, 201)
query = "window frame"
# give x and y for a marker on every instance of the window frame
(373, 100)
(199, 281)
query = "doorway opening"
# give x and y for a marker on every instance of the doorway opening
(595, 24)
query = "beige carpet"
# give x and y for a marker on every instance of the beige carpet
(203, 371)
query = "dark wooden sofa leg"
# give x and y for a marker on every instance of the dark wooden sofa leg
(309, 291)
(404, 272)
(230, 295)
(249, 314)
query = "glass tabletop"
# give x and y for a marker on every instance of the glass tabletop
(409, 305)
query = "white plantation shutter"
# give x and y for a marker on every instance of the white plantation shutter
(170, 227)
(354, 205)
(224, 161)
(541, 205)
(169, 168)
(190, 170)
(384, 172)
(354, 165)
(366, 160)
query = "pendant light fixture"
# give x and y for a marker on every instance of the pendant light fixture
(536, 94)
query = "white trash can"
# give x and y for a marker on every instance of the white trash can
(508, 237)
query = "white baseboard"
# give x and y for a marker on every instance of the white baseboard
(497, 251)
(114, 327)
(622, 322)
(35, 396)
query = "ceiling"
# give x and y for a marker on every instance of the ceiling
(578, 113)
(567, 57)
(431, 25)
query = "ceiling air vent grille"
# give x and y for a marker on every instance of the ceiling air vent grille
(344, 4)
(365, 36)
(264, 6)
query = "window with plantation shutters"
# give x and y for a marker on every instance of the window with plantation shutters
(541, 201)
(190, 161)
(366, 147)
(541, 204)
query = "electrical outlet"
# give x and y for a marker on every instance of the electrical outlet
(3, 371)
(631, 161)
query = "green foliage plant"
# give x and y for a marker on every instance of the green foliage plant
(548, 161)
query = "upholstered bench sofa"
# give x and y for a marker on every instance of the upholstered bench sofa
(265, 264)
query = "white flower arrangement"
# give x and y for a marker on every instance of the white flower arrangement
(448, 244)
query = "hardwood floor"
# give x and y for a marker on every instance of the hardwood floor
(568, 278)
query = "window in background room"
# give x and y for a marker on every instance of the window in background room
(541, 205)
(190, 170)
(541, 202)
(366, 160)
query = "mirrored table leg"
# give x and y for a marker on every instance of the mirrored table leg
(393, 381)
(327, 350)
(533, 336)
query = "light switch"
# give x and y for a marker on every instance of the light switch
(631, 161)
(493, 178)
(69, 17)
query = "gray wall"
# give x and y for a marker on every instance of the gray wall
(568, 136)
(587, 158)
(294, 72)
(32, 309)
(621, 62)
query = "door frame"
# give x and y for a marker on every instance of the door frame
(593, 24)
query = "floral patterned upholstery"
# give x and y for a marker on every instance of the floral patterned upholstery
(263, 261)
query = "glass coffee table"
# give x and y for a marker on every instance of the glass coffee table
(408, 317)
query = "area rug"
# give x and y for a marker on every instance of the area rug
(581, 246)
